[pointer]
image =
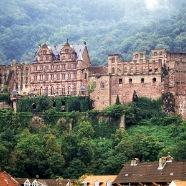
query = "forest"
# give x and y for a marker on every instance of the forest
(107, 26)
(70, 143)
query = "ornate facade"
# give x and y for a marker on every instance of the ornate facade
(60, 70)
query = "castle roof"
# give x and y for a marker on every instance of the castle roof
(97, 69)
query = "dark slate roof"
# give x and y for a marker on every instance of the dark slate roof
(49, 182)
(148, 172)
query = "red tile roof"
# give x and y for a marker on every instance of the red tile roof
(97, 69)
(7, 180)
(148, 172)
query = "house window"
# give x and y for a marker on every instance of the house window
(75, 66)
(96, 183)
(27, 183)
(154, 80)
(35, 78)
(52, 67)
(69, 66)
(130, 80)
(66, 50)
(69, 76)
(120, 81)
(44, 51)
(155, 53)
(35, 68)
(85, 77)
(102, 85)
(41, 67)
(141, 55)
(142, 80)
(58, 67)
(46, 68)
(136, 56)
(109, 183)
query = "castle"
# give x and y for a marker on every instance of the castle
(66, 70)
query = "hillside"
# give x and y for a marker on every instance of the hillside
(51, 143)
(107, 26)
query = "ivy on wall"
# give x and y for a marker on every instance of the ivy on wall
(61, 104)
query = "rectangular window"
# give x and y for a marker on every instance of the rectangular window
(58, 76)
(63, 66)
(35, 78)
(52, 76)
(41, 77)
(63, 76)
(75, 76)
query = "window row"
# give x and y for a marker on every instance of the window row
(58, 91)
(47, 77)
(142, 80)
(137, 69)
(55, 67)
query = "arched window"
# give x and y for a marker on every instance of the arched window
(154, 80)
(34, 106)
(130, 80)
(142, 80)
(27, 183)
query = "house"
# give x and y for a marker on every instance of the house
(160, 173)
(7, 180)
(43, 182)
(98, 180)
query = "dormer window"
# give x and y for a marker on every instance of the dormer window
(34, 183)
(44, 51)
(109, 183)
(27, 183)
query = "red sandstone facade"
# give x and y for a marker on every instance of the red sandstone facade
(66, 70)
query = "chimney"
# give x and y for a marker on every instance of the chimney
(164, 160)
(134, 162)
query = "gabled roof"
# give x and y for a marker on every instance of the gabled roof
(48, 182)
(100, 178)
(6, 179)
(148, 172)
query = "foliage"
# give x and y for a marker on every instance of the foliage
(5, 97)
(117, 100)
(88, 140)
